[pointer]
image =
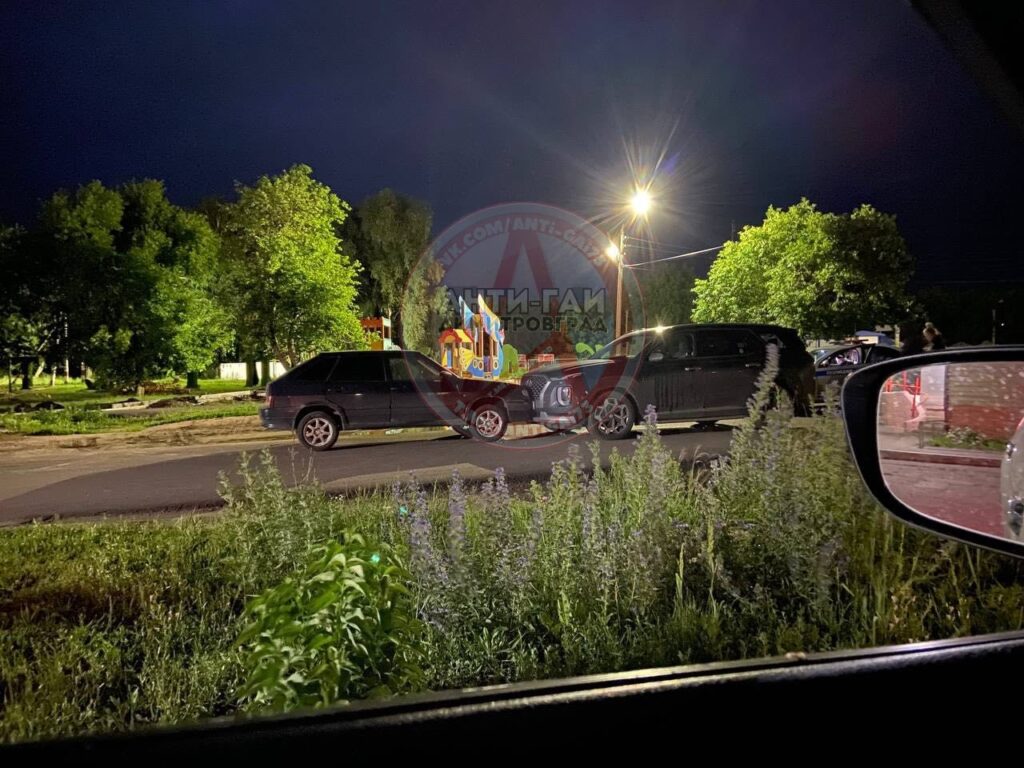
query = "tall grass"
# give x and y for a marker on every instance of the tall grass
(641, 563)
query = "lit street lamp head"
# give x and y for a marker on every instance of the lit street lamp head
(641, 202)
(612, 252)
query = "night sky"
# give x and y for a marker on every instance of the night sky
(469, 104)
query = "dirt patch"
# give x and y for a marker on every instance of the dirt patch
(174, 402)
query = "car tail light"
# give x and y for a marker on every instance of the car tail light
(270, 401)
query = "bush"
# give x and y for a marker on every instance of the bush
(340, 629)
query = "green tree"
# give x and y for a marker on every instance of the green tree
(76, 276)
(130, 275)
(294, 289)
(19, 334)
(666, 292)
(427, 308)
(390, 233)
(825, 274)
(186, 253)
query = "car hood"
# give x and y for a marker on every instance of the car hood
(561, 370)
(480, 386)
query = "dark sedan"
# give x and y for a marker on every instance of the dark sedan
(374, 390)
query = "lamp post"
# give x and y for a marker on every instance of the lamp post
(639, 204)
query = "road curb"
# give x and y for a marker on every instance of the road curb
(959, 460)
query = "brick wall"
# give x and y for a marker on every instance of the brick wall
(985, 397)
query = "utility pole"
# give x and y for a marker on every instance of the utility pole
(619, 324)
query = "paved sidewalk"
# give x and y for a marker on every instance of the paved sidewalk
(905, 447)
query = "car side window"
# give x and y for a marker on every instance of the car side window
(724, 342)
(317, 369)
(412, 368)
(398, 369)
(852, 356)
(357, 368)
(679, 346)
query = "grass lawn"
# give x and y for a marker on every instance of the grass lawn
(76, 393)
(75, 421)
(82, 414)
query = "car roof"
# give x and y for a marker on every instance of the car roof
(721, 326)
(339, 353)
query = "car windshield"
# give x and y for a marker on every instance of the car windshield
(630, 345)
(295, 299)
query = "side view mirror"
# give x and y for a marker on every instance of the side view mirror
(655, 357)
(939, 441)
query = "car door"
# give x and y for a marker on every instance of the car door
(668, 378)
(358, 388)
(729, 361)
(418, 388)
(833, 370)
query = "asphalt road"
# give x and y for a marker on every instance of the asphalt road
(181, 484)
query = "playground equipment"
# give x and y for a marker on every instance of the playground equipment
(380, 326)
(477, 349)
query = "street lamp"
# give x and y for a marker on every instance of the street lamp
(639, 204)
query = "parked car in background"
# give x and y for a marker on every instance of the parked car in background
(335, 391)
(696, 373)
(834, 364)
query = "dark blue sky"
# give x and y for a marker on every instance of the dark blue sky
(466, 104)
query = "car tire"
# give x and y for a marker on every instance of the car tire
(317, 430)
(612, 417)
(488, 422)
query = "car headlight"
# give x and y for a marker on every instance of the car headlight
(562, 394)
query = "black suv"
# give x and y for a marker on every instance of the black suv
(687, 372)
(374, 390)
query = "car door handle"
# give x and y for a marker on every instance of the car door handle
(752, 365)
(690, 369)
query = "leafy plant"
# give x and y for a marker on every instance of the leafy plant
(341, 629)
(965, 437)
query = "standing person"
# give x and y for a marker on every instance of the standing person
(933, 340)
(914, 342)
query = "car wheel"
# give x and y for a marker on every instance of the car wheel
(488, 422)
(317, 430)
(612, 418)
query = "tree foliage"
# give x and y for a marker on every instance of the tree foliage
(390, 234)
(825, 274)
(292, 288)
(666, 292)
(122, 278)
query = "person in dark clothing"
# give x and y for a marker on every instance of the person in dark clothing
(933, 340)
(914, 342)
